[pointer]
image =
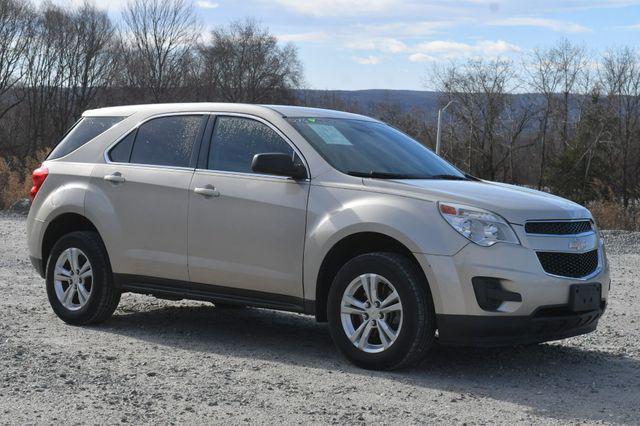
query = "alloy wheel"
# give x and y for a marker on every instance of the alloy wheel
(371, 313)
(73, 279)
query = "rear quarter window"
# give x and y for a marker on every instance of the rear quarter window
(84, 130)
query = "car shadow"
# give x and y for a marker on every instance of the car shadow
(556, 381)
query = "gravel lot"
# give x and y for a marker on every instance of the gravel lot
(188, 362)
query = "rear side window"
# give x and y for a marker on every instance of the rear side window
(84, 130)
(166, 141)
(236, 140)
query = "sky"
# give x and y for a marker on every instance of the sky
(392, 44)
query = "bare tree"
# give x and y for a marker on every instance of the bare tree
(519, 114)
(16, 25)
(244, 63)
(70, 59)
(544, 77)
(43, 76)
(159, 36)
(480, 91)
(620, 77)
(571, 63)
(87, 63)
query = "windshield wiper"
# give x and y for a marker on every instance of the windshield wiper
(448, 177)
(382, 175)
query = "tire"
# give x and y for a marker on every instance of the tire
(100, 298)
(415, 327)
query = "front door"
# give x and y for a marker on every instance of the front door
(246, 230)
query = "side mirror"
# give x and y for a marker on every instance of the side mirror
(278, 164)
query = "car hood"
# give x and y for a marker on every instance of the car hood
(516, 204)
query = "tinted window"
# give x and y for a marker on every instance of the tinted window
(122, 151)
(84, 130)
(236, 140)
(166, 141)
(371, 148)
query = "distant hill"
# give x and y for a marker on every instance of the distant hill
(365, 101)
(406, 100)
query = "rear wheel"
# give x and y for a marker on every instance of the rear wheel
(79, 280)
(380, 312)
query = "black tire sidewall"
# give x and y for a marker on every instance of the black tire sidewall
(91, 247)
(414, 308)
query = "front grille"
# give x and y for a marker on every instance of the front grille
(558, 228)
(572, 265)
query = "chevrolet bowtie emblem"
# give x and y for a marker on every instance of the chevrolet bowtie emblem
(577, 244)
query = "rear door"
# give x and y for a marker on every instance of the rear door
(246, 230)
(146, 185)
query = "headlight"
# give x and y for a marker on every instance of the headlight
(477, 225)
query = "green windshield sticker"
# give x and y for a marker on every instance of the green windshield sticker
(311, 120)
(329, 134)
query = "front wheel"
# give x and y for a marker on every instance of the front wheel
(380, 312)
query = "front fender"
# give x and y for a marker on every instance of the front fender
(336, 213)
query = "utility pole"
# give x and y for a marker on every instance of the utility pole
(439, 131)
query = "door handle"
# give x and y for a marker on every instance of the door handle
(207, 191)
(115, 178)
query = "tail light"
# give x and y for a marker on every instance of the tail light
(38, 177)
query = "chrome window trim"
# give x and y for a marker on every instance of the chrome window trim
(216, 114)
(153, 166)
(107, 160)
(226, 173)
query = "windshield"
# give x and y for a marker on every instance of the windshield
(372, 149)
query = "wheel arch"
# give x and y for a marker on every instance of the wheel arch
(346, 249)
(61, 225)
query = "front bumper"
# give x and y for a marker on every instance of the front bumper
(538, 312)
(546, 324)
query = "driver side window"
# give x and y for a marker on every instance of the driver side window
(236, 140)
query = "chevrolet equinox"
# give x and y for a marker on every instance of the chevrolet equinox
(314, 211)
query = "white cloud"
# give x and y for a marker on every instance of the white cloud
(369, 60)
(446, 49)
(111, 5)
(408, 28)
(384, 45)
(436, 49)
(441, 46)
(421, 57)
(551, 24)
(497, 47)
(338, 7)
(634, 27)
(304, 37)
(205, 4)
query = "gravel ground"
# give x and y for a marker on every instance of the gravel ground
(188, 362)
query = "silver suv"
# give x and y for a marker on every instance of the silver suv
(314, 211)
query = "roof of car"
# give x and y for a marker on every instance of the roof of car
(297, 111)
(283, 110)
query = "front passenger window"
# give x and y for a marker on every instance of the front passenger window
(236, 140)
